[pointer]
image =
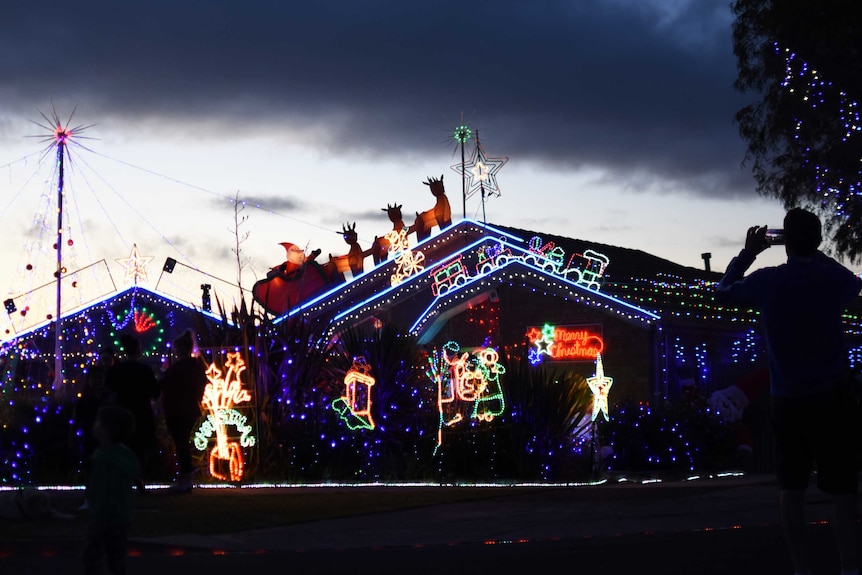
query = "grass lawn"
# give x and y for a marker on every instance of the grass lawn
(222, 510)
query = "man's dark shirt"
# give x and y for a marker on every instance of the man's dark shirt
(801, 304)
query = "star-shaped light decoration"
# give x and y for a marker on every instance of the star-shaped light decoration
(600, 386)
(136, 266)
(481, 171)
(543, 341)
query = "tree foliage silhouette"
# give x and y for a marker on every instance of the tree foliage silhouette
(801, 59)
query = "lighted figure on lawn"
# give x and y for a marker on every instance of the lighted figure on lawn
(354, 407)
(468, 386)
(296, 280)
(600, 385)
(221, 396)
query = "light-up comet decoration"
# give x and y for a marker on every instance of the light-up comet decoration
(354, 407)
(462, 381)
(221, 395)
(600, 386)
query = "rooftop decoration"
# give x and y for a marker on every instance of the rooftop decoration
(136, 266)
(440, 215)
(479, 172)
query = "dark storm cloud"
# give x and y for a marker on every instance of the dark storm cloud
(630, 86)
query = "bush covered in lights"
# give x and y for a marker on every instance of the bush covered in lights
(538, 429)
(682, 435)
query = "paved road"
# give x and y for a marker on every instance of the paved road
(723, 526)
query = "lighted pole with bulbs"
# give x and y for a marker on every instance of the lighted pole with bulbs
(462, 134)
(60, 135)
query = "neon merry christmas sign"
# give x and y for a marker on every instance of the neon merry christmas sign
(354, 407)
(222, 394)
(565, 343)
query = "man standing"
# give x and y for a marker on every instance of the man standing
(135, 387)
(183, 386)
(811, 406)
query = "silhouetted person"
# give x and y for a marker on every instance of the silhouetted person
(134, 386)
(811, 405)
(114, 470)
(183, 386)
(93, 396)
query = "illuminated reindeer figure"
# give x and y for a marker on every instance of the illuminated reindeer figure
(440, 215)
(380, 247)
(353, 261)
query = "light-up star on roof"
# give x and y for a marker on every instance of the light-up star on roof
(600, 386)
(481, 171)
(136, 266)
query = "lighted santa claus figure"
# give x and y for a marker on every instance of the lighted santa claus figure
(294, 259)
(730, 405)
(294, 281)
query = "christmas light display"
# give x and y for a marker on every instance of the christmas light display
(354, 407)
(565, 343)
(480, 171)
(223, 392)
(136, 266)
(468, 385)
(840, 187)
(586, 269)
(449, 274)
(143, 322)
(600, 385)
(407, 263)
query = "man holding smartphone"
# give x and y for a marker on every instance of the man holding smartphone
(811, 404)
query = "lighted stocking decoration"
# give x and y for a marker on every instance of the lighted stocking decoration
(354, 407)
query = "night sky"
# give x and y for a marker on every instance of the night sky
(616, 117)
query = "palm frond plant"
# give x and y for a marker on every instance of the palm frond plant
(403, 403)
(549, 411)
